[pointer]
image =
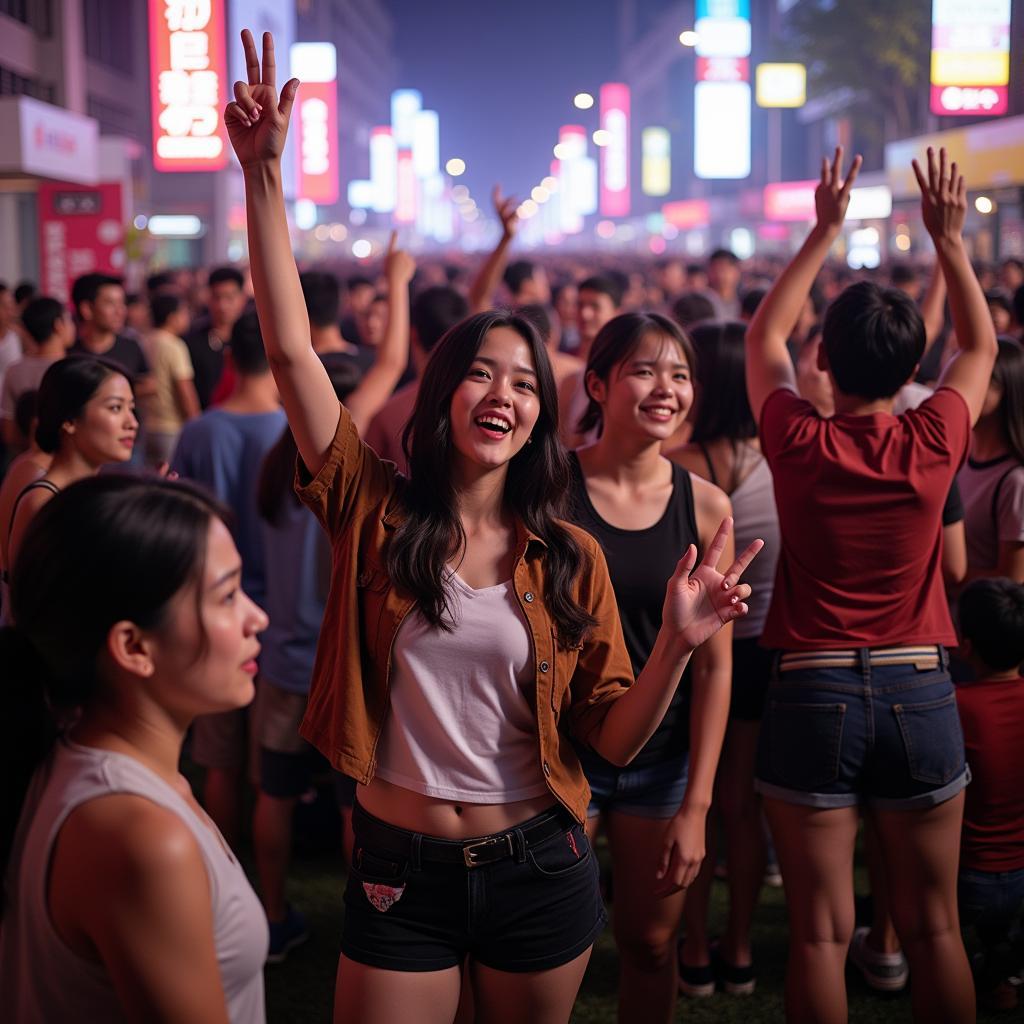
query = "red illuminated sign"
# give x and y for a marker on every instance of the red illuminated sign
(317, 142)
(970, 99)
(615, 155)
(80, 231)
(687, 213)
(188, 84)
(723, 69)
(405, 207)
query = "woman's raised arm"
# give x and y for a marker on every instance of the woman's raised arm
(257, 124)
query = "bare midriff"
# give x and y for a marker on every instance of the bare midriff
(445, 819)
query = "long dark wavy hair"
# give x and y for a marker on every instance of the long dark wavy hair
(1008, 373)
(535, 489)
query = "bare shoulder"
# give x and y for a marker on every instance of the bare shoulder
(710, 504)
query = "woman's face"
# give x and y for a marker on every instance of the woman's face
(191, 679)
(649, 393)
(496, 406)
(106, 429)
(1001, 318)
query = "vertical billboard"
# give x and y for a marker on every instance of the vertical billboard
(614, 100)
(383, 169)
(970, 70)
(656, 168)
(315, 120)
(188, 84)
(722, 101)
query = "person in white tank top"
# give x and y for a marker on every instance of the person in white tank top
(121, 900)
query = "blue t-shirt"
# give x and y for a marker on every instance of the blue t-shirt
(297, 565)
(224, 452)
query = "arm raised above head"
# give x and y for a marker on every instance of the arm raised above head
(257, 123)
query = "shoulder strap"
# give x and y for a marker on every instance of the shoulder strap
(712, 475)
(41, 484)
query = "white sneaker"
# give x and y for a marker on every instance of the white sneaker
(884, 972)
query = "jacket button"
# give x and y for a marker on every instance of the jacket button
(547, 768)
(544, 666)
(528, 597)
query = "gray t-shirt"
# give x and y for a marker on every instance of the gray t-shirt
(993, 496)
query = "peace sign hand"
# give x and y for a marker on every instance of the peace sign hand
(943, 197)
(698, 604)
(832, 196)
(257, 122)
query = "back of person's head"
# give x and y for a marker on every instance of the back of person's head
(539, 316)
(874, 338)
(1008, 379)
(41, 317)
(691, 308)
(162, 280)
(26, 408)
(87, 287)
(225, 275)
(104, 550)
(752, 298)
(724, 254)
(991, 613)
(434, 312)
(605, 284)
(24, 291)
(723, 410)
(162, 307)
(65, 389)
(322, 292)
(615, 343)
(517, 274)
(247, 350)
(357, 281)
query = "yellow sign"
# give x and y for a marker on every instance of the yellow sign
(781, 85)
(978, 67)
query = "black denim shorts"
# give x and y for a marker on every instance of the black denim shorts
(533, 910)
(885, 735)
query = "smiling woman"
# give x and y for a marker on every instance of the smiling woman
(468, 631)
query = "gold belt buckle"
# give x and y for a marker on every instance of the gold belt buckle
(469, 855)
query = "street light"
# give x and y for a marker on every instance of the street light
(583, 101)
(688, 38)
(455, 166)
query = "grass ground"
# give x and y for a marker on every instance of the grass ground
(301, 989)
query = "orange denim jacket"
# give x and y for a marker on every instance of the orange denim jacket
(357, 498)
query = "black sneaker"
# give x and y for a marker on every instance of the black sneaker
(736, 981)
(695, 982)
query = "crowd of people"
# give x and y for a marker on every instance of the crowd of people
(687, 555)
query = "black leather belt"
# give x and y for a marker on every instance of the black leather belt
(470, 852)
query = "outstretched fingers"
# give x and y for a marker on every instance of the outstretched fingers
(685, 564)
(739, 566)
(922, 184)
(269, 64)
(252, 61)
(852, 176)
(284, 106)
(717, 546)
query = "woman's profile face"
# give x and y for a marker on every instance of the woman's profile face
(496, 406)
(650, 392)
(206, 662)
(107, 428)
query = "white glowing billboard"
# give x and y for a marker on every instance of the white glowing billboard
(614, 99)
(383, 169)
(656, 169)
(970, 68)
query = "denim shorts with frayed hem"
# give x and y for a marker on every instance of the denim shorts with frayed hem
(884, 735)
(645, 791)
(532, 911)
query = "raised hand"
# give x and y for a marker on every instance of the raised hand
(698, 604)
(257, 121)
(832, 196)
(399, 266)
(506, 208)
(943, 198)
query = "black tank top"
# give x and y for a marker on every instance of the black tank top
(640, 563)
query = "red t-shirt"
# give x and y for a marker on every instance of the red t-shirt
(992, 714)
(860, 503)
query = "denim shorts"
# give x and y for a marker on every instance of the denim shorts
(533, 910)
(884, 735)
(649, 791)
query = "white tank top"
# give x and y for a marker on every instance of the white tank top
(42, 981)
(461, 725)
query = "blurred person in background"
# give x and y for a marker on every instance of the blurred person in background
(907, 279)
(992, 479)
(49, 325)
(322, 292)
(223, 449)
(527, 283)
(24, 293)
(724, 284)
(670, 277)
(210, 334)
(10, 341)
(691, 308)
(696, 277)
(137, 322)
(563, 364)
(564, 299)
(1011, 274)
(359, 293)
(174, 400)
(434, 312)
(1000, 305)
(372, 322)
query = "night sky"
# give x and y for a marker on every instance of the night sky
(502, 78)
